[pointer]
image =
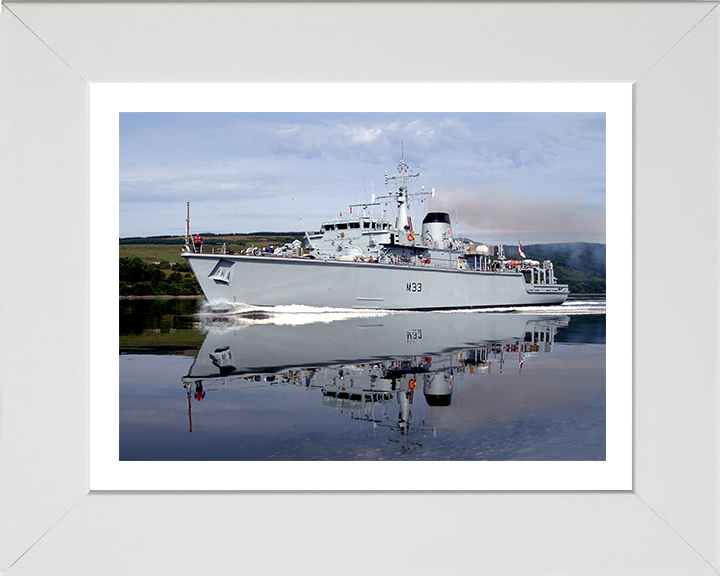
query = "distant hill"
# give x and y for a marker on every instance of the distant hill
(581, 265)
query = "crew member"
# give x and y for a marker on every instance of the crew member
(198, 242)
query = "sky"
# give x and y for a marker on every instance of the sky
(502, 177)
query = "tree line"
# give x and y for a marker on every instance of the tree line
(140, 279)
(580, 265)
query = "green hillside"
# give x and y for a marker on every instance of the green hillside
(138, 278)
(581, 265)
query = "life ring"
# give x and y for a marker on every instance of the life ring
(412, 385)
(342, 234)
(411, 236)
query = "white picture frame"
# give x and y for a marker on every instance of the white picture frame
(50, 53)
(108, 101)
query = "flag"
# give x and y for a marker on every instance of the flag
(522, 254)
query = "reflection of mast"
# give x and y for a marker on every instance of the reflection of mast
(402, 386)
(405, 400)
(189, 408)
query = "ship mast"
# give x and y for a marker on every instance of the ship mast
(403, 176)
(187, 225)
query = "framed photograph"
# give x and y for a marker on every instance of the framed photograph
(67, 513)
(361, 381)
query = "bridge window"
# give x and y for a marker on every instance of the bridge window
(329, 226)
(342, 226)
(354, 224)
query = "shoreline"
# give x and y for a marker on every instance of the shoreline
(164, 297)
(200, 297)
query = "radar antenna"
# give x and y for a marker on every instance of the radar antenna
(402, 196)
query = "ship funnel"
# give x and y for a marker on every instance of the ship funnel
(436, 230)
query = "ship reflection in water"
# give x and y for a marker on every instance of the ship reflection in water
(422, 386)
(384, 363)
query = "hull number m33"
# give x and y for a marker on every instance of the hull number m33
(414, 287)
(414, 335)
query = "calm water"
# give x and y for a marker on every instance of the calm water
(294, 384)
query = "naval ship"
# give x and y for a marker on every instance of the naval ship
(370, 262)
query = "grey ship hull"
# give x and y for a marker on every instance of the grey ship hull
(278, 281)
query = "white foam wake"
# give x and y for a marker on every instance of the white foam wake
(237, 314)
(292, 315)
(571, 308)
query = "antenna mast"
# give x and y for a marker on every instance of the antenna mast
(307, 236)
(187, 224)
(402, 193)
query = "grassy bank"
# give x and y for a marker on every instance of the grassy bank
(169, 249)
